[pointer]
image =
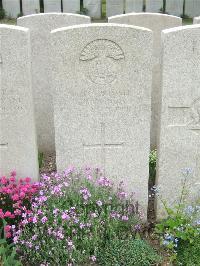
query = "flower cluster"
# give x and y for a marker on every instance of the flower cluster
(15, 198)
(72, 217)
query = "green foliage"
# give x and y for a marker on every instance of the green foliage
(129, 253)
(182, 225)
(2, 13)
(41, 159)
(20, 15)
(189, 254)
(152, 164)
(8, 255)
(83, 11)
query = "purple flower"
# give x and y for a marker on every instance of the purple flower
(104, 182)
(137, 227)
(44, 219)
(85, 193)
(65, 216)
(93, 215)
(70, 170)
(82, 225)
(93, 258)
(122, 195)
(34, 237)
(34, 220)
(55, 211)
(124, 218)
(99, 203)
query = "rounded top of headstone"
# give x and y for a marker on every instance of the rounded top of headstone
(101, 25)
(182, 28)
(14, 28)
(52, 17)
(145, 14)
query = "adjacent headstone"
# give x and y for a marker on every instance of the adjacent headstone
(192, 8)
(196, 20)
(70, 6)
(114, 7)
(154, 6)
(157, 23)
(52, 6)
(102, 96)
(18, 149)
(174, 7)
(12, 7)
(93, 7)
(180, 115)
(40, 26)
(134, 6)
(30, 7)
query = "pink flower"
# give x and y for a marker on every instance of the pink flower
(12, 179)
(8, 214)
(15, 197)
(7, 228)
(13, 173)
(1, 214)
(27, 179)
(8, 235)
(22, 195)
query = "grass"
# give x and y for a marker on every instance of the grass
(11, 21)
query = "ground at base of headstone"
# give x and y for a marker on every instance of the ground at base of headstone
(48, 164)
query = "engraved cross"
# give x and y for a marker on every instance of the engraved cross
(103, 145)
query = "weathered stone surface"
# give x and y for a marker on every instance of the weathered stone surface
(12, 7)
(52, 6)
(93, 7)
(174, 7)
(18, 149)
(40, 26)
(30, 7)
(114, 7)
(192, 8)
(154, 5)
(157, 23)
(102, 83)
(196, 20)
(180, 115)
(70, 6)
(133, 6)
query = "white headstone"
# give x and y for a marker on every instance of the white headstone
(93, 7)
(134, 6)
(157, 23)
(102, 100)
(196, 20)
(70, 6)
(192, 8)
(174, 7)
(154, 6)
(180, 115)
(114, 7)
(52, 6)
(18, 150)
(30, 7)
(40, 26)
(12, 7)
